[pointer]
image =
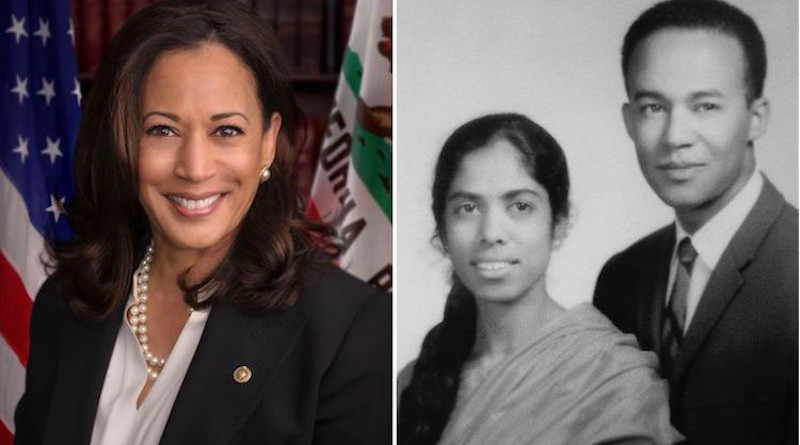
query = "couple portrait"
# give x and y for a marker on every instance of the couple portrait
(610, 193)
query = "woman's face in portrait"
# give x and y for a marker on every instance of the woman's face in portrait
(498, 225)
(202, 146)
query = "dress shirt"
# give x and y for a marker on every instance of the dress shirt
(711, 240)
(118, 420)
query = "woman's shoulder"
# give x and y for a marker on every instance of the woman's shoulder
(49, 303)
(323, 278)
(348, 331)
(48, 316)
(335, 301)
(588, 315)
(608, 373)
(588, 337)
(590, 326)
(329, 289)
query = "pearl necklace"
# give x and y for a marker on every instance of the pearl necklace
(137, 315)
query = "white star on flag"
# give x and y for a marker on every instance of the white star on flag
(22, 147)
(17, 28)
(56, 207)
(21, 89)
(77, 91)
(39, 123)
(71, 33)
(48, 90)
(52, 150)
(43, 31)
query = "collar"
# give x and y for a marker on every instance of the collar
(713, 237)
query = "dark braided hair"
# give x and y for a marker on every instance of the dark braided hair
(426, 404)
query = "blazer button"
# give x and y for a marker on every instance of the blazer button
(242, 374)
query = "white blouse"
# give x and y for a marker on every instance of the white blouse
(118, 421)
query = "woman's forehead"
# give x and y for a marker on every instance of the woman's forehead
(495, 169)
(209, 77)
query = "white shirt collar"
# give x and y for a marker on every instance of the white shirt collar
(713, 237)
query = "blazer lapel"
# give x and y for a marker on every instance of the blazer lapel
(653, 290)
(727, 278)
(230, 340)
(87, 349)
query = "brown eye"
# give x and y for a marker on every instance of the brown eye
(228, 131)
(160, 131)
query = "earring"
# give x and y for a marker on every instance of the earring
(265, 174)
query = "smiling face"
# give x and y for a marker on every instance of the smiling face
(690, 121)
(202, 147)
(498, 225)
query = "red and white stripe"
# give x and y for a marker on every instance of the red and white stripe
(21, 275)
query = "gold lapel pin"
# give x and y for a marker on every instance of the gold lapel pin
(242, 374)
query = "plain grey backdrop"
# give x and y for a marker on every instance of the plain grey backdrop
(557, 62)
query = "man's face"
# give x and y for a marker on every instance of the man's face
(689, 119)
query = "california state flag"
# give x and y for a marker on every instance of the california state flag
(352, 188)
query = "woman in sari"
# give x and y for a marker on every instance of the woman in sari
(508, 365)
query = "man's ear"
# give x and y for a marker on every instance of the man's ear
(627, 117)
(269, 140)
(759, 118)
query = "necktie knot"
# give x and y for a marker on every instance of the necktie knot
(686, 252)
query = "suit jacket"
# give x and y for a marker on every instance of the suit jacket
(321, 371)
(736, 372)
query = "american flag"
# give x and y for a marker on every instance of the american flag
(39, 113)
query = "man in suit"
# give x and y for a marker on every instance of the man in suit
(714, 294)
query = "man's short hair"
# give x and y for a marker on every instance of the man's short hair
(703, 15)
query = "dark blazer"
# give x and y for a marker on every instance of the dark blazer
(321, 371)
(736, 372)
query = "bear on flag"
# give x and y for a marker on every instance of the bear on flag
(352, 189)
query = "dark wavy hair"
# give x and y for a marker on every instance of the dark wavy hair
(263, 269)
(426, 404)
(710, 15)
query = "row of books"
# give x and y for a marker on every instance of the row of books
(313, 33)
(310, 131)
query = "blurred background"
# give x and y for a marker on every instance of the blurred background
(340, 54)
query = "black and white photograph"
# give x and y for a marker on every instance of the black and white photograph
(597, 224)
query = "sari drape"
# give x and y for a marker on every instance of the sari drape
(579, 381)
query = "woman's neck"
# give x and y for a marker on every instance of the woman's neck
(169, 262)
(503, 327)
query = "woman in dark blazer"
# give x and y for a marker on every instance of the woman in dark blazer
(192, 305)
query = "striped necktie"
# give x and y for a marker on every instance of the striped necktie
(674, 317)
